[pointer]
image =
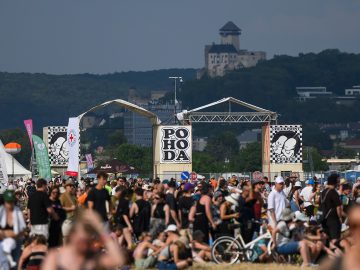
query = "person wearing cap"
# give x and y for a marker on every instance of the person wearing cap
(307, 194)
(12, 225)
(282, 242)
(277, 201)
(69, 205)
(39, 209)
(186, 201)
(228, 214)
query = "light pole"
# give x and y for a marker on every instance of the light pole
(175, 78)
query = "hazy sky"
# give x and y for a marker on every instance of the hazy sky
(105, 36)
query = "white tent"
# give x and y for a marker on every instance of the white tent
(19, 170)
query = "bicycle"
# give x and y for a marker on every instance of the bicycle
(229, 250)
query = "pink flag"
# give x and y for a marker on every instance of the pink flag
(29, 128)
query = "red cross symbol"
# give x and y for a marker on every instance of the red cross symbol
(71, 137)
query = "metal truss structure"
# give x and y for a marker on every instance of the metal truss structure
(257, 115)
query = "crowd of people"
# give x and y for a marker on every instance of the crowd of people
(171, 224)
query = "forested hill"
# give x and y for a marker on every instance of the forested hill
(271, 85)
(52, 99)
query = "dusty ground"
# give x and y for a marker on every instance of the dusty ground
(247, 266)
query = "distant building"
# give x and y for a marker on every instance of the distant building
(227, 56)
(354, 91)
(249, 136)
(199, 143)
(137, 128)
(341, 164)
(312, 92)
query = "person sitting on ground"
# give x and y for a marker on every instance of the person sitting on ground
(142, 259)
(281, 238)
(34, 253)
(175, 257)
(201, 250)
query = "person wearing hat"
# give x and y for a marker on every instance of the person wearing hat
(281, 237)
(69, 205)
(307, 194)
(10, 228)
(228, 215)
(186, 201)
(277, 201)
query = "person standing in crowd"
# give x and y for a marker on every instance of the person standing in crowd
(228, 214)
(258, 186)
(99, 196)
(39, 209)
(294, 197)
(307, 194)
(277, 201)
(331, 208)
(170, 200)
(69, 204)
(122, 216)
(140, 213)
(185, 203)
(201, 213)
(55, 225)
(246, 210)
(160, 214)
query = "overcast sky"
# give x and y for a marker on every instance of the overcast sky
(105, 36)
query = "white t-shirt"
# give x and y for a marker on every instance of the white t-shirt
(306, 194)
(277, 201)
(287, 189)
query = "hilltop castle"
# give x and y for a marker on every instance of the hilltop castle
(226, 56)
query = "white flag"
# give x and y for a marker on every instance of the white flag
(73, 136)
(3, 173)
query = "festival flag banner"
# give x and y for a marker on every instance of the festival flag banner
(42, 158)
(29, 128)
(3, 173)
(89, 161)
(73, 135)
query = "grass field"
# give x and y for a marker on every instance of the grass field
(247, 266)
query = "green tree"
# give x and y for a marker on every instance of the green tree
(311, 154)
(223, 146)
(139, 157)
(249, 158)
(203, 162)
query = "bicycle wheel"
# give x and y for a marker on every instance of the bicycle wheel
(226, 250)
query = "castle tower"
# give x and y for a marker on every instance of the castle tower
(230, 35)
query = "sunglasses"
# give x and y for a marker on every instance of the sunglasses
(157, 198)
(54, 192)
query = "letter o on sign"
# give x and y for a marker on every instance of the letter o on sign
(181, 133)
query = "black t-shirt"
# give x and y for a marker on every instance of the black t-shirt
(38, 203)
(330, 199)
(185, 204)
(122, 209)
(99, 197)
(246, 210)
(170, 200)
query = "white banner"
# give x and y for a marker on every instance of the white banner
(3, 173)
(73, 135)
(175, 144)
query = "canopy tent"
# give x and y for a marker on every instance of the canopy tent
(19, 170)
(114, 166)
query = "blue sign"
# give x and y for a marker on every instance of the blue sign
(185, 175)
